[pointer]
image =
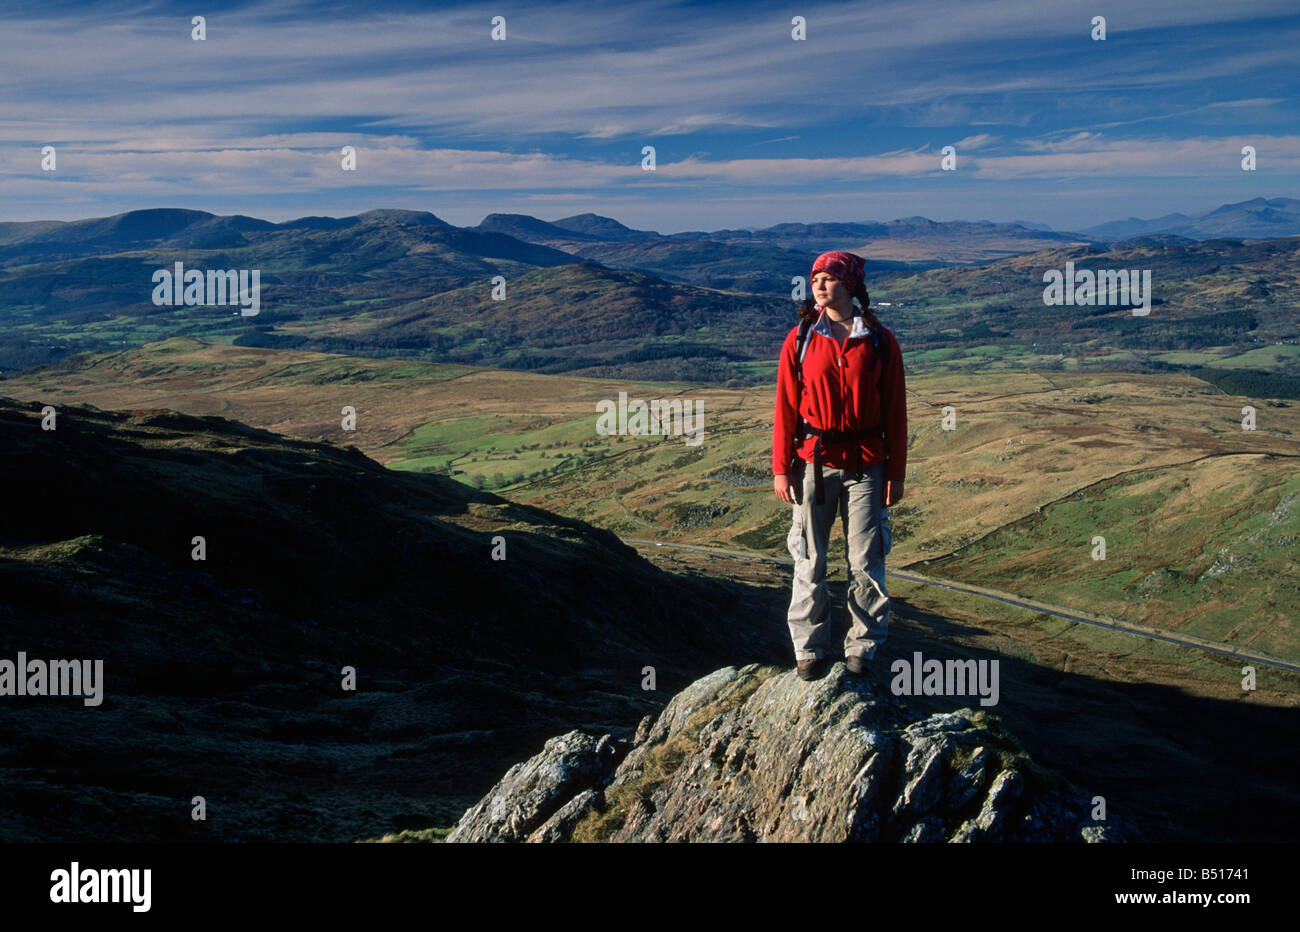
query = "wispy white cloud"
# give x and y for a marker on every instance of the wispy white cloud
(254, 169)
(584, 70)
(978, 141)
(434, 106)
(1092, 155)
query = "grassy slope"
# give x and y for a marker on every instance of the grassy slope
(1022, 441)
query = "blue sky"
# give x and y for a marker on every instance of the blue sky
(750, 127)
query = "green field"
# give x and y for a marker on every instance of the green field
(1180, 551)
(500, 450)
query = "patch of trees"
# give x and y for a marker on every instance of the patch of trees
(17, 354)
(981, 330)
(672, 351)
(1229, 320)
(1124, 324)
(1189, 334)
(549, 365)
(269, 339)
(32, 288)
(1251, 382)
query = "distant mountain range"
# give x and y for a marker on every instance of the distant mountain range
(588, 295)
(1258, 218)
(603, 239)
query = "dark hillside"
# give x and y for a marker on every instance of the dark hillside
(222, 677)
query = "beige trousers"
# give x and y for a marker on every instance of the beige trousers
(859, 503)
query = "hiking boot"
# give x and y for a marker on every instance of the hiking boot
(811, 669)
(857, 665)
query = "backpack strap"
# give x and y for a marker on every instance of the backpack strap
(800, 347)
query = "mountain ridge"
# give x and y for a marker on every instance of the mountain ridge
(1256, 218)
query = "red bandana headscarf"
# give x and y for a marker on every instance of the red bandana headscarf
(848, 268)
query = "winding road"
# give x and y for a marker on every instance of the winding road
(1032, 605)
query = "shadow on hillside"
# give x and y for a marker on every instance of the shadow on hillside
(1180, 767)
(225, 678)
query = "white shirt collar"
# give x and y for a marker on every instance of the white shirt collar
(860, 328)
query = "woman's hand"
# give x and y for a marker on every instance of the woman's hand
(781, 485)
(893, 492)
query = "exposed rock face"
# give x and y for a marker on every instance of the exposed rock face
(756, 754)
(537, 791)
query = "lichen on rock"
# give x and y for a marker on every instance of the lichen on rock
(755, 754)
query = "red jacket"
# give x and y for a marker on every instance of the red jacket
(839, 393)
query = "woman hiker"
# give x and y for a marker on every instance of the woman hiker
(839, 442)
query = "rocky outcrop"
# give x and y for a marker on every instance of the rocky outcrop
(540, 796)
(756, 754)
